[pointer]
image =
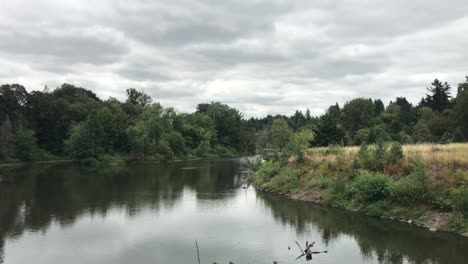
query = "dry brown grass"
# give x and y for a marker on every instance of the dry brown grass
(456, 152)
(430, 153)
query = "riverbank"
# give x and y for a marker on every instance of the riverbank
(114, 160)
(423, 185)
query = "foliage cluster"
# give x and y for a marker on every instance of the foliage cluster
(440, 117)
(72, 121)
(350, 178)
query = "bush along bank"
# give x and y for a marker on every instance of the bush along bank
(378, 180)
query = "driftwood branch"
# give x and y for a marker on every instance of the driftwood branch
(308, 252)
(300, 248)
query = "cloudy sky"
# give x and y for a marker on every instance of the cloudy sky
(260, 56)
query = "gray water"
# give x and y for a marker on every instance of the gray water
(153, 213)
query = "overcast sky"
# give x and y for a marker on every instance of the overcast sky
(262, 57)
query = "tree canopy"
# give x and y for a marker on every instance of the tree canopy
(74, 121)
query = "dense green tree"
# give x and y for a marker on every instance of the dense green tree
(459, 116)
(307, 115)
(26, 148)
(439, 97)
(378, 107)
(7, 139)
(248, 138)
(136, 97)
(13, 99)
(357, 114)
(100, 134)
(176, 142)
(300, 143)
(52, 114)
(199, 129)
(227, 122)
(280, 133)
(329, 131)
(298, 120)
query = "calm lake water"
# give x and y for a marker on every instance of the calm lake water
(153, 213)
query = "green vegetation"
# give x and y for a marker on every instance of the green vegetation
(73, 122)
(440, 117)
(412, 183)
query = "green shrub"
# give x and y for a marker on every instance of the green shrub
(442, 204)
(365, 159)
(176, 142)
(266, 170)
(164, 151)
(457, 222)
(203, 150)
(26, 148)
(395, 153)
(380, 155)
(410, 189)
(371, 187)
(111, 159)
(287, 180)
(377, 209)
(222, 151)
(459, 198)
(325, 182)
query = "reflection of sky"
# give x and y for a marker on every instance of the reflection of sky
(239, 228)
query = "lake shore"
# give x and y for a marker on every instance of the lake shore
(433, 221)
(426, 186)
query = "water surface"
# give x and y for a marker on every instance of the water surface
(153, 213)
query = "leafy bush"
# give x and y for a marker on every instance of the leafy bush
(111, 159)
(203, 150)
(26, 145)
(222, 151)
(442, 204)
(395, 153)
(300, 142)
(266, 171)
(457, 222)
(377, 209)
(164, 151)
(460, 199)
(410, 189)
(287, 180)
(176, 142)
(365, 159)
(325, 182)
(380, 155)
(371, 187)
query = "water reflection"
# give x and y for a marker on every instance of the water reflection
(153, 213)
(388, 241)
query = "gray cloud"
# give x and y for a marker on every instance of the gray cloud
(263, 56)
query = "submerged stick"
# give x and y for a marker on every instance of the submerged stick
(198, 252)
(300, 248)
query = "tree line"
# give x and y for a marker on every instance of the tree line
(440, 117)
(73, 121)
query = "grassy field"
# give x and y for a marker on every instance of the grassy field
(425, 184)
(428, 152)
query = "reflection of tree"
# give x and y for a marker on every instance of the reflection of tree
(390, 242)
(34, 196)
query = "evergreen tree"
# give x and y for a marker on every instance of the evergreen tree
(439, 99)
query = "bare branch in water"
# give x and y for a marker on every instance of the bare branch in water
(198, 252)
